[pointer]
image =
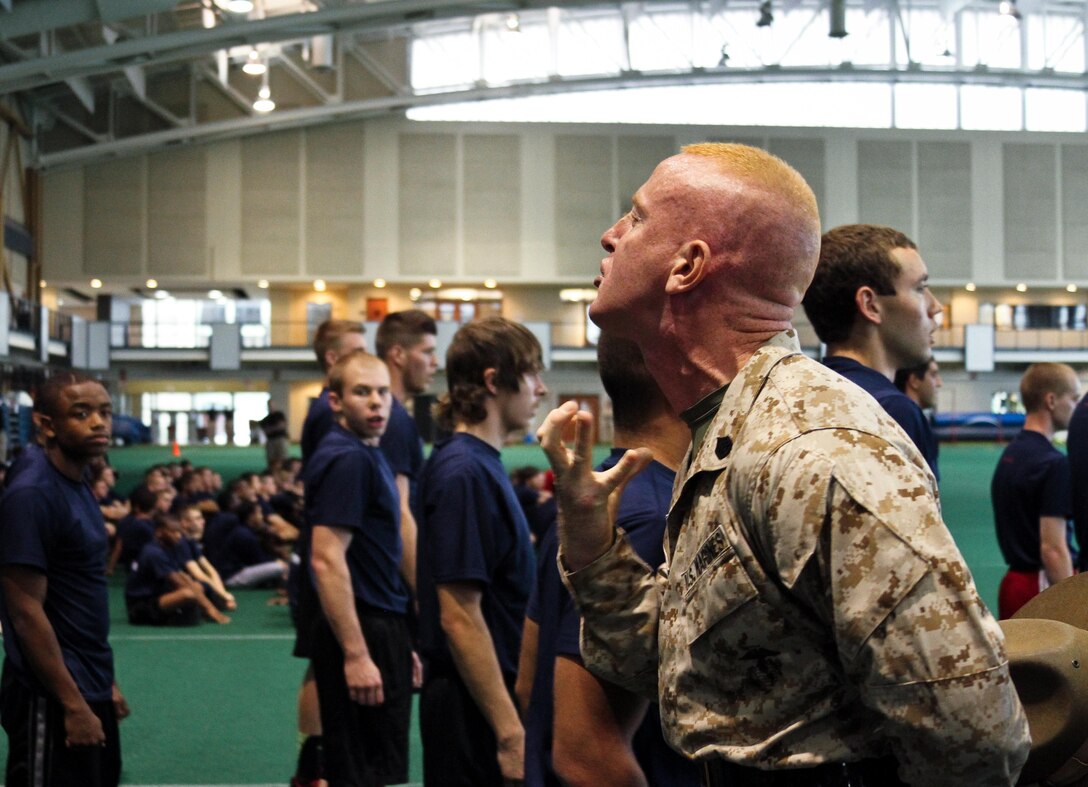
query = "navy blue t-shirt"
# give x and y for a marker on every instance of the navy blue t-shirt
(242, 549)
(349, 485)
(403, 447)
(472, 530)
(896, 403)
(1031, 481)
(54, 524)
(1077, 447)
(319, 420)
(217, 530)
(135, 532)
(153, 568)
(642, 512)
(188, 549)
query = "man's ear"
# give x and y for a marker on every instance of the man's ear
(1050, 399)
(330, 358)
(491, 375)
(867, 304)
(689, 267)
(44, 423)
(335, 403)
(394, 356)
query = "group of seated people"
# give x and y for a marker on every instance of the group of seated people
(185, 541)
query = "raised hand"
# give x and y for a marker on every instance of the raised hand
(587, 499)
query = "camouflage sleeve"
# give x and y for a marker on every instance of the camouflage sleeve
(910, 629)
(618, 596)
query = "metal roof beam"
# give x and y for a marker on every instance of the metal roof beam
(189, 44)
(373, 107)
(34, 16)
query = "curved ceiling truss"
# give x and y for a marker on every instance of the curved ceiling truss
(96, 79)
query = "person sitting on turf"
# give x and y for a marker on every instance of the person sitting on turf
(134, 530)
(158, 591)
(247, 560)
(196, 564)
(193, 491)
(114, 507)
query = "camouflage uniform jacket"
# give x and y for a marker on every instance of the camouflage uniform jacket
(812, 606)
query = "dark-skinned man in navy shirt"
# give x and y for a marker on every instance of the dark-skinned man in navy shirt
(870, 303)
(59, 703)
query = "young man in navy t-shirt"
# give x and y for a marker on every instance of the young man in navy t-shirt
(563, 703)
(159, 592)
(406, 341)
(332, 340)
(1031, 491)
(475, 560)
(361, 651)
(870, 303)
(59, 703)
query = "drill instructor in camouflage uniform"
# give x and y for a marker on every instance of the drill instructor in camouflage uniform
(813, 623)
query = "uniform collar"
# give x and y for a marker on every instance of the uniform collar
(714, 452)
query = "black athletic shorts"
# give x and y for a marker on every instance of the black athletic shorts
(37, 753)
(365, 746)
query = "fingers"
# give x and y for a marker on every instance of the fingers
(367, 695)
(550, 435)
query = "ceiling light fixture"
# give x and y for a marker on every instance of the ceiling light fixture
(263, 284)
(319, 285)
(970, 286)
(161, 295)
(254, 66)
(490, 284)
(415, 293)
(96, 284)
(264, 102)
(434, 284)
(152, 284)
(1021, 287)
(1008, 8)
(379, 283)
(766, 14)
(1070, 288)
(513, 23)
(215, 294)
(837, 19)
(42, 284)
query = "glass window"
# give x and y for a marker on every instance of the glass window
(919, 105)
(985, 107)
(1054, 110)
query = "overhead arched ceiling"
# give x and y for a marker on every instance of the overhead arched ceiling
(94, 79)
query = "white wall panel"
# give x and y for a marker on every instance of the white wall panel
(428, 204)
(271, 188)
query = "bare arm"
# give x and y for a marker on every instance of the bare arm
(330, 569)
(587, 708)
(473, 653)
(24, 593)
(523, 686)
(407, 533)
(214, 579)
(1054, 549)
(115, 555)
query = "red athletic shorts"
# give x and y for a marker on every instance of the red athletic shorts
(1017, 589)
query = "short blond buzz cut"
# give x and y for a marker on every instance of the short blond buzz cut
(760, 168)
(362, 357)
(1043, 378)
